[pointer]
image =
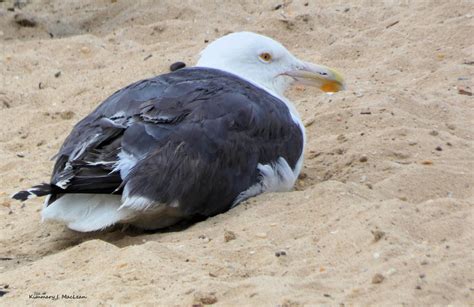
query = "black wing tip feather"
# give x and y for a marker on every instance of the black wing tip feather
(22, 195)
(36, 191)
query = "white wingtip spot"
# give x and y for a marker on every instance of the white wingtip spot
(62, 184)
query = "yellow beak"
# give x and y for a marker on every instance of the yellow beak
(327, 79)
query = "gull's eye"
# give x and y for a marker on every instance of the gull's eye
(266, 57)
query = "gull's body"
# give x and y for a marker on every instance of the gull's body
(194, 142)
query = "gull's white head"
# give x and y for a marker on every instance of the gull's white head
(267, 63)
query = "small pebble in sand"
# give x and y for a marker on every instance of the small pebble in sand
(463, 91)
(309, 122)
(122, 265)
(229, 236)
(205, 298)
(280, 253)
(438, 148)
(427, 162)
(261, 235)
(24, 20)
(422, 275)
(451, 126)
(85, 50)
(377, 278)
(341, 138)
(56, 75)
(66, 115)
(204, 238)
(363, 158)
(378, 234)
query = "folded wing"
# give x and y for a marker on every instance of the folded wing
(192, 139)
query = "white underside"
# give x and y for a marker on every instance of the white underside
(86, 212)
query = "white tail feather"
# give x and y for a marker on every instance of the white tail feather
(87, 212)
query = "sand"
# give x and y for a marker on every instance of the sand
(382, 215)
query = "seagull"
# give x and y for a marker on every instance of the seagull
(192, 143)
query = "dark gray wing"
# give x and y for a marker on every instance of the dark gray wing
(194, 136)
(224, 127)
(86, 161)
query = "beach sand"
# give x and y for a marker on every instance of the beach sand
(383, 213)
